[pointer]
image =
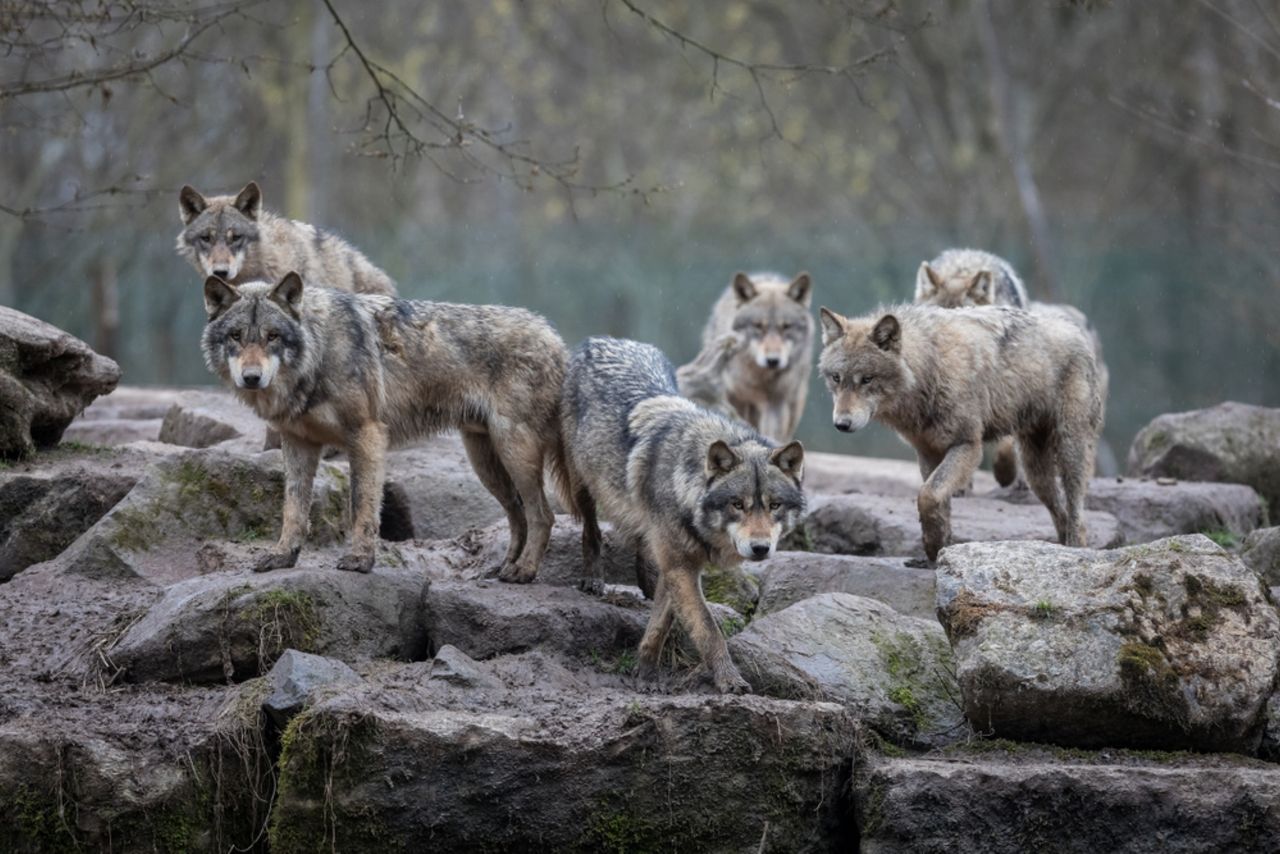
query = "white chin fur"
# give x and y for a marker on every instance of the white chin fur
(268, 373)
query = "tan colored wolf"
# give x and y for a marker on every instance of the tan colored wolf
(948, 379)
(360, 372)
(692, 487)
(233, 238)
(768, 380)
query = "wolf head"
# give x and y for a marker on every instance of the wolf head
(772, 318)
(221, 233)
(253, 330)
(753, 495)
(862, 365)
(956, 289)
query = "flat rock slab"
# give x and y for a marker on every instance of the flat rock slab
(1169, 645)
(1261, 553)
(1231, 442)
(890, 670)
(857, 524)
(789, 577)
(1178, 806)
(840, 474)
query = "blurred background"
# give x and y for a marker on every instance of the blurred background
(611, 163)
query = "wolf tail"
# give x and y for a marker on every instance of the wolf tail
(562, 474)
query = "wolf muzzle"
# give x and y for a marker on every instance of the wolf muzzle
(849, 422)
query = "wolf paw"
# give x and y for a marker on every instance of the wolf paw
(730, 681)
(356, 562)
(514, 573)
(276, 560)
(592, 586)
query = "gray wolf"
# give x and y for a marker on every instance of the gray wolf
(948, 379)
(703, 380)
(362, 371)
(233, 238)
(768, 381)
(692, 487)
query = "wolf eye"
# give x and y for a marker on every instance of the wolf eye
(234, 335)
(737, 504)
(835, 378)
(759, 326)
(866, 380)
(774, 505)
(206, 238)
(786, 326)
(273, 336)
(232, 237)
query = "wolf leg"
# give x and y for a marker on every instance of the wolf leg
(934, 502)
(1040, 466)
(300, 461)
(490, 471)
(683, 588)
(592, 572)
(368, 455)
(522, 455)
(655, 633)
(1075, 463)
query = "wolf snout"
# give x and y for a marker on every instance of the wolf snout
(252, 377)
(772, 362)
(844, 425)
(760, 551)
(222, 273)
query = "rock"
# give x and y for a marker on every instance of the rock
(455, 666)
(1261, 553)
(47, 378)
(202, 419)
(112, 432)
(790, 577)
(840, 474)
(1231, 442)
(890, 670)
(732, 586)
(488, 618)
(1269, 749)
(232, 626)
(601, 773)
(443, 496)
(858, 524)
(295, 678)
(1041, 803)
(1170, 645)
(133, 403)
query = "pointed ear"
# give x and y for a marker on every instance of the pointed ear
(190, 204)
(928, 282)
(721, 459)
(743, 288)
(249, 201)
(288, 293)
(790, 459)
(887, 334)
(800, 289)
(218, 297)
(980, 287)
(832, 325)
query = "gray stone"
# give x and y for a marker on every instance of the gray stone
(1261, 553)
(790, 577)
(1230, 442)
(202, 419)
(1169, 645)
(112, 432)
(443, 496)
(47, 378)
(840, 474)
(1270, 747)
(455, 666)
(890, 670)
(296, 677)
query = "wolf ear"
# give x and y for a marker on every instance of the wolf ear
(800, 289)
(790, 459)
(743, 288)
(249, 201)
(980, 287)
(721, 459)
(887, 334)
(218, 297)
(832, 325)
(190, 204)
(928, 282)
(288, 294)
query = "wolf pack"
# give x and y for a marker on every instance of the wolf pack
(697, 466)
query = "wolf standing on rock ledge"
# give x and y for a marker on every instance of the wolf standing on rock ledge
(360, 372)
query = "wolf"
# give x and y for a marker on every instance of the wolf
(703, 379)
(691, 486)
(233, 238)
(363, 371)
(948, 379)
(768, 381)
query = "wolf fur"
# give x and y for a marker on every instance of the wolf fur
(703, 379)
(233, 238)
(362, 372)
(948, 379)
(768, 381)
(692, 487)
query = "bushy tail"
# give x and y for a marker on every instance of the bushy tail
(562, 474)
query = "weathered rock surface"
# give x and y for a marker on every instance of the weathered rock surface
(1168, 645)
(840, 474)
(112, 432)
(444, 497)
(202, 419)
(233, 626)
(1044, 802)
(858, 524)
(296, 677)
(47, 377)
(891, 671)
(1231, 442)
(790, 577)
(1261, 553)
(1270, 746)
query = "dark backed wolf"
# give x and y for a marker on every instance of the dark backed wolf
(692, 487)
(948, 379)
(233, 238)
(360, 372)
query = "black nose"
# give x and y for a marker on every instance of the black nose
(844, 426)
(759, 550)
(221, 274)
(772, 361)
(251, 380)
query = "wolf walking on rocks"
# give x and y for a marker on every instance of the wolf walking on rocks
(691, 486)
(948, 379)
(361, 372)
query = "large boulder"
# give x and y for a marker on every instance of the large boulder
(202, 419)
(790, 577)
(1231, 442)
(441, 493)
(1168, 645)
(47, 378)
(857, 524)
(1261, 553)
(232, 626)
(892, 671)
